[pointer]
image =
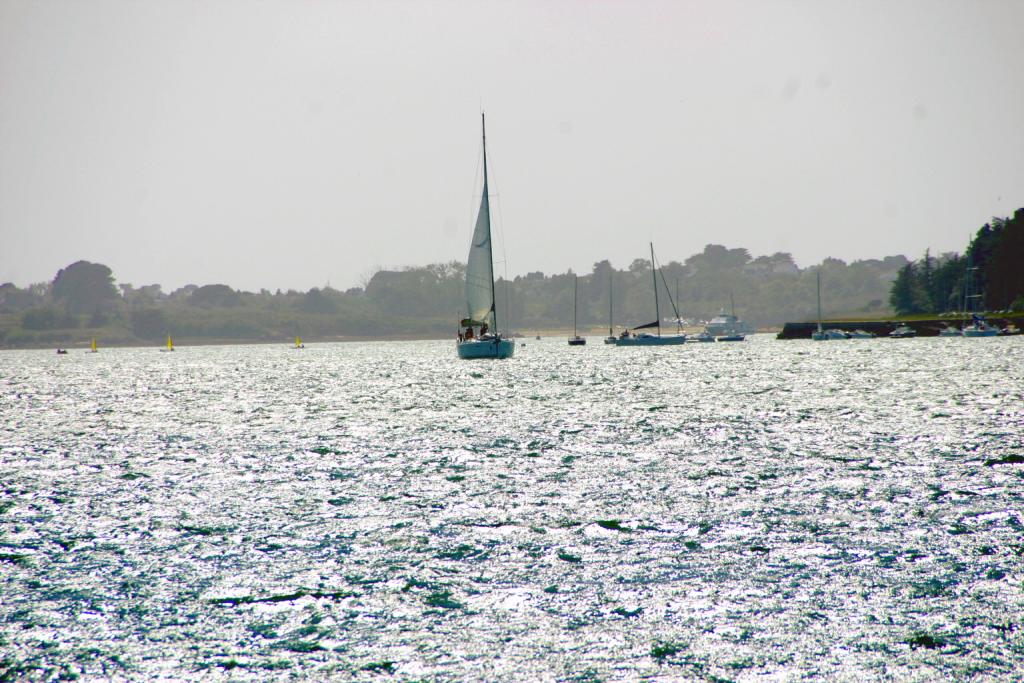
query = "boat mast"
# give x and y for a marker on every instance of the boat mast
(575, 295)
(490, 251)
(675, 308)
(819, 300)
(610, 333)
(654, 277)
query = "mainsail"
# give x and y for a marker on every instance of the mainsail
(479, 271)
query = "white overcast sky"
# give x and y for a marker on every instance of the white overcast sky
(290, 144)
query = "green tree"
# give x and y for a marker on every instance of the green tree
(319, 301)
(84, 287)
(1004, 275)
(149, 323)
(906, 295)
(211, 296)
(47, 319)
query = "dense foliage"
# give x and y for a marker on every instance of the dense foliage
(83, 302)
(989, 276)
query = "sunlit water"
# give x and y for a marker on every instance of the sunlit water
(383, 511)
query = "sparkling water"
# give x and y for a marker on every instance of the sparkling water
(763, 510)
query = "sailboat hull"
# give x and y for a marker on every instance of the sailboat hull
(486, 348)
(645, 340)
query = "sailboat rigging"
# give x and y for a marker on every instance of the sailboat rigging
(645, 338)
(575, 339)
(478, 336)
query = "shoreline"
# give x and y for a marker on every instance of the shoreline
(922, 326)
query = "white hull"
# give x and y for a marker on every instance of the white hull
(651, 340)
(486, 348)
(825, 335)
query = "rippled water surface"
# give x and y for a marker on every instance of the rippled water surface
(757, 511)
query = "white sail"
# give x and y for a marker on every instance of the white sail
(475, 340)
(479, 271)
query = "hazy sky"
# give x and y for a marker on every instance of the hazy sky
(291, 144)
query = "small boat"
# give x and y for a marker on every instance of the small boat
(298, 343)
(860, 334)
(1009, 331)
(950, 331)
(728, 327)
(974, 301)
(979, 327)
(476, 340)
(169, 346)
(646, 338)
(703, 337)
(62, 352)
(575, 339)
(903, 332)
(92, 346)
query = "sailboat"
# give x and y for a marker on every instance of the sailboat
(978, 326)
(92, 347)
(645, 338)
(479, 337)
(575, 339)
(820, 334)
(298, 343)
(611, 338)
(170, 344)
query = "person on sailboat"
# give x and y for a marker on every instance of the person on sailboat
(483, 329)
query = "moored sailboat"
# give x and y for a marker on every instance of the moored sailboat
(478, 335)
(821, 334)
(646, 338)
(575, 339)
(978, 327)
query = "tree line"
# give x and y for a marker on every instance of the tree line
(84, 300)
(988, 276)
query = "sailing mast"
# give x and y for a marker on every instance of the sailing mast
(819, 301)
(654, 277)
(490, 253)
(575, 296)
(610, 333)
